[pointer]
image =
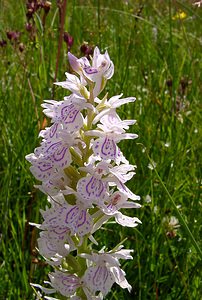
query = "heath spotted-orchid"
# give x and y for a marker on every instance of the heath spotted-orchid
(84, 173)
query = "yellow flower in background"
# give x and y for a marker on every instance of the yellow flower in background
(180, 15)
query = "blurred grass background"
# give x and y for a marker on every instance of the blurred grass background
(156, 49)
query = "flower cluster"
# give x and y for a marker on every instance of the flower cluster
(84, 174)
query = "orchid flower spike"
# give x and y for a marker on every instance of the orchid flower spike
(84, 174)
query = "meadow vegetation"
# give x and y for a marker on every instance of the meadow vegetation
(156, 50)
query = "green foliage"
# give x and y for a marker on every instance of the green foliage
(157, 57)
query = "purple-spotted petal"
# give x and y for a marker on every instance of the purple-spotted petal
(56, 151)
(64, 283)
(79, 220)
(75, 218)
(99, 278)
(43, 169)
(51, 132)
(70, 116)
(62, 157)
(106, 148)
(54, 218)
(52, 242)
(92, 188)
(69, 113)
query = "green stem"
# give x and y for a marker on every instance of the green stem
(90, 117)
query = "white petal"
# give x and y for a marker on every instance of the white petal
(43, 289)
(125, 136)
(116, 101)
(73, 60)
(98, 86)
(123, 253)
(52, 242)
(110, 71)
(31, 157)
(100, 115)
(125, 190)
(126, 221)
(120, 279)
(96, 53)
(94, 133)
(99, 223)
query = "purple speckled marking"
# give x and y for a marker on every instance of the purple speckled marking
(100, 276)
(69, 113)
(95, 186)
(82, 218)
(53, 130)
(52, 222)
(70, 280)
(60, 231)
(53, 147)
(69, 283)
(90, 70)
(110, 206)
(108, 147)
(60, 154)
(65, 110)
(72, 213)
(44, 166)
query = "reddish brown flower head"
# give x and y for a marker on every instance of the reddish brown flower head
(13, 35)
(86, 50)
(69, 40)
(29, 27)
